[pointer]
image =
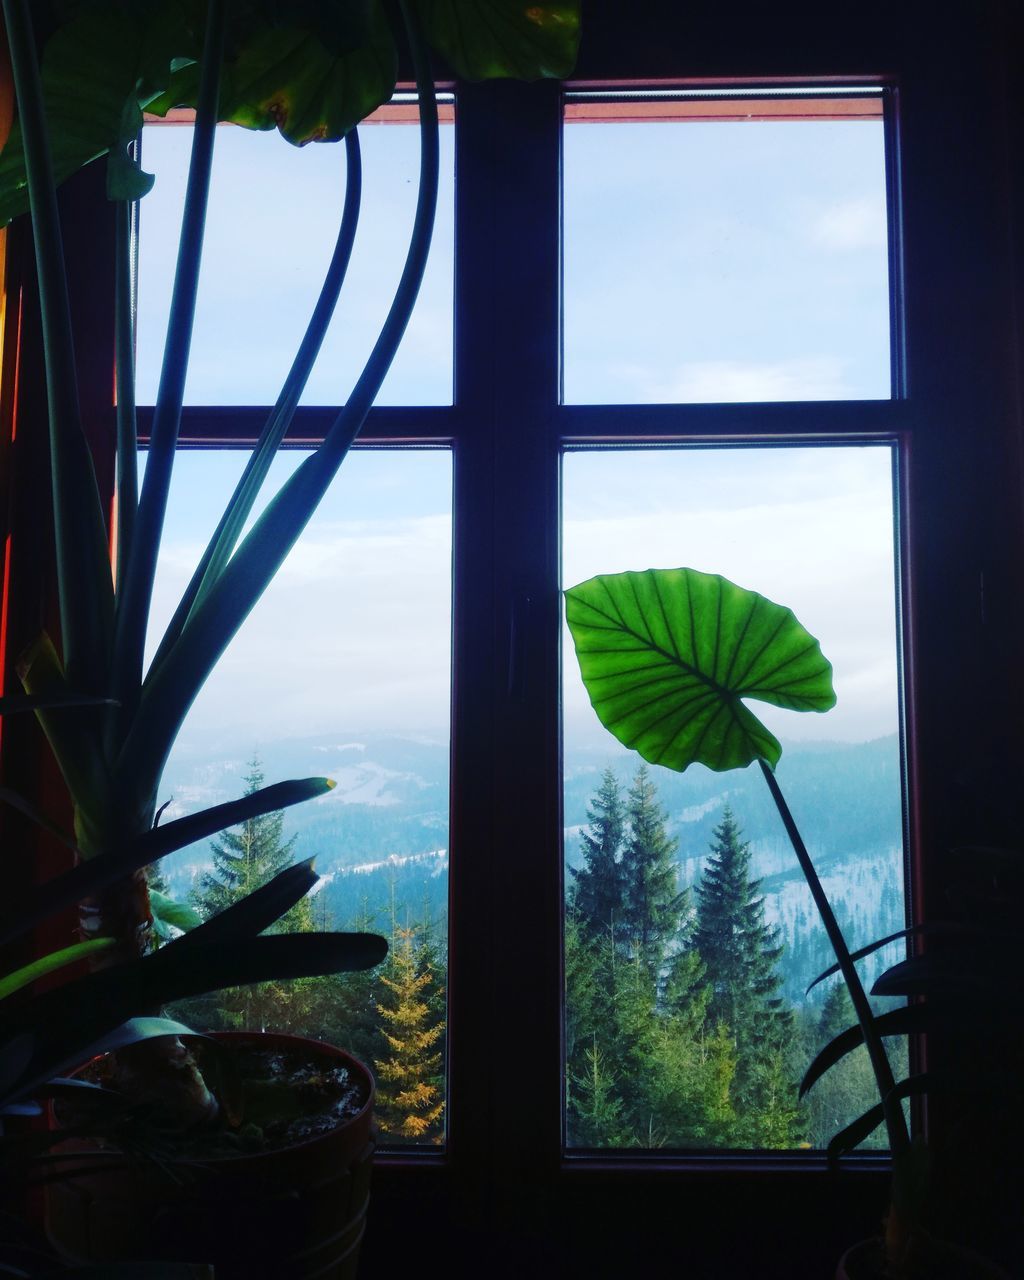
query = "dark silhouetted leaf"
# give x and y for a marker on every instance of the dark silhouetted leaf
(488, 39)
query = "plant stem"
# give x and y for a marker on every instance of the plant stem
(895, 1122)
(83, 572)
(246, 491)
(170, 690)
(137, 589)
(127, 434)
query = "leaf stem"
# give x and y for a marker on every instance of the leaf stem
(137, 588)
(171, 689)
(895, 1122)
(127, 434)
(247, 490)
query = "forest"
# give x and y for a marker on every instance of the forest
(678, 1031)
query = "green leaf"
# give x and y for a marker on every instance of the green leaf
(853, 1134)
(935, 927)
(667, 655)
(284, 77)
(53, 1049)
(965, 976)
(168, 914)
(92, 68)
(905, 1020)
(89, 877)
(51, 963)
(74, 746)
(257, 910)
(488, 39)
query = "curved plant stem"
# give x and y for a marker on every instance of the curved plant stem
(229, 529)
(83, 568)
(170, 690)
(895, 1122)
(137, 588)
(127, 434)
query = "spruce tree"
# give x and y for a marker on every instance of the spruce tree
(653, 906)
(244, 859)
(741, 953)
(411, 1096)
(594, 1112)
(345, 1011)
(596, 893)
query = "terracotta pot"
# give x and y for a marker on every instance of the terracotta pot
(865, 1261)
(298, 1211)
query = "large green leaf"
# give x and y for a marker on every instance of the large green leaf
(95, 68)
(280, 75)
(487, 39)
(668, 655)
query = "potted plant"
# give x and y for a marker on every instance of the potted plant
(668, 658)
(313, 71)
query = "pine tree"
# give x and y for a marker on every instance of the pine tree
(597, 892)
(244, 859)
(344, 1010)
(653, 906)
(741, 953)
(594, 1112)
(411, 1098)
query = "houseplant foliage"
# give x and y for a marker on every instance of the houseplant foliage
(668, 658)
(313, 70)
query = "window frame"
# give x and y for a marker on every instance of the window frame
(956, 428)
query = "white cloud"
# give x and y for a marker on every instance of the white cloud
(739, 381)
(853, 224)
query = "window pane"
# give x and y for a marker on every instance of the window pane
(699, 1039)
(341, 671)
(272, 225)
(724, 250)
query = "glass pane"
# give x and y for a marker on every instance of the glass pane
(272, 224)
(699, 1038)
(342, 670)
(716, 253)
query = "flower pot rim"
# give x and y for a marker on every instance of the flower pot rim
(287, 1040)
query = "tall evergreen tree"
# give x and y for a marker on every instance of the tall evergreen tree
(244, 859)
(411, 1097)
(594, 1111)
(653, 906)
(345, 1008)
(597, 890)
(741, 953)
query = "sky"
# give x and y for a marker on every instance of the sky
(703, 262)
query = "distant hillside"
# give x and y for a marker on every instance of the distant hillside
(382, 835)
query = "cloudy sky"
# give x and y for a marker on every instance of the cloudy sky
(724, 261)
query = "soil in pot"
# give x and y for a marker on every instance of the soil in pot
(278, 1187)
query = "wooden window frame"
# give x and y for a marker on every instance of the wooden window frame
(503, 1186)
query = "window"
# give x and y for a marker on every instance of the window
(936, 395)
(343, 668)
(710, 295)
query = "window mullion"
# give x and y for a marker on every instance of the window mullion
(505, 992)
